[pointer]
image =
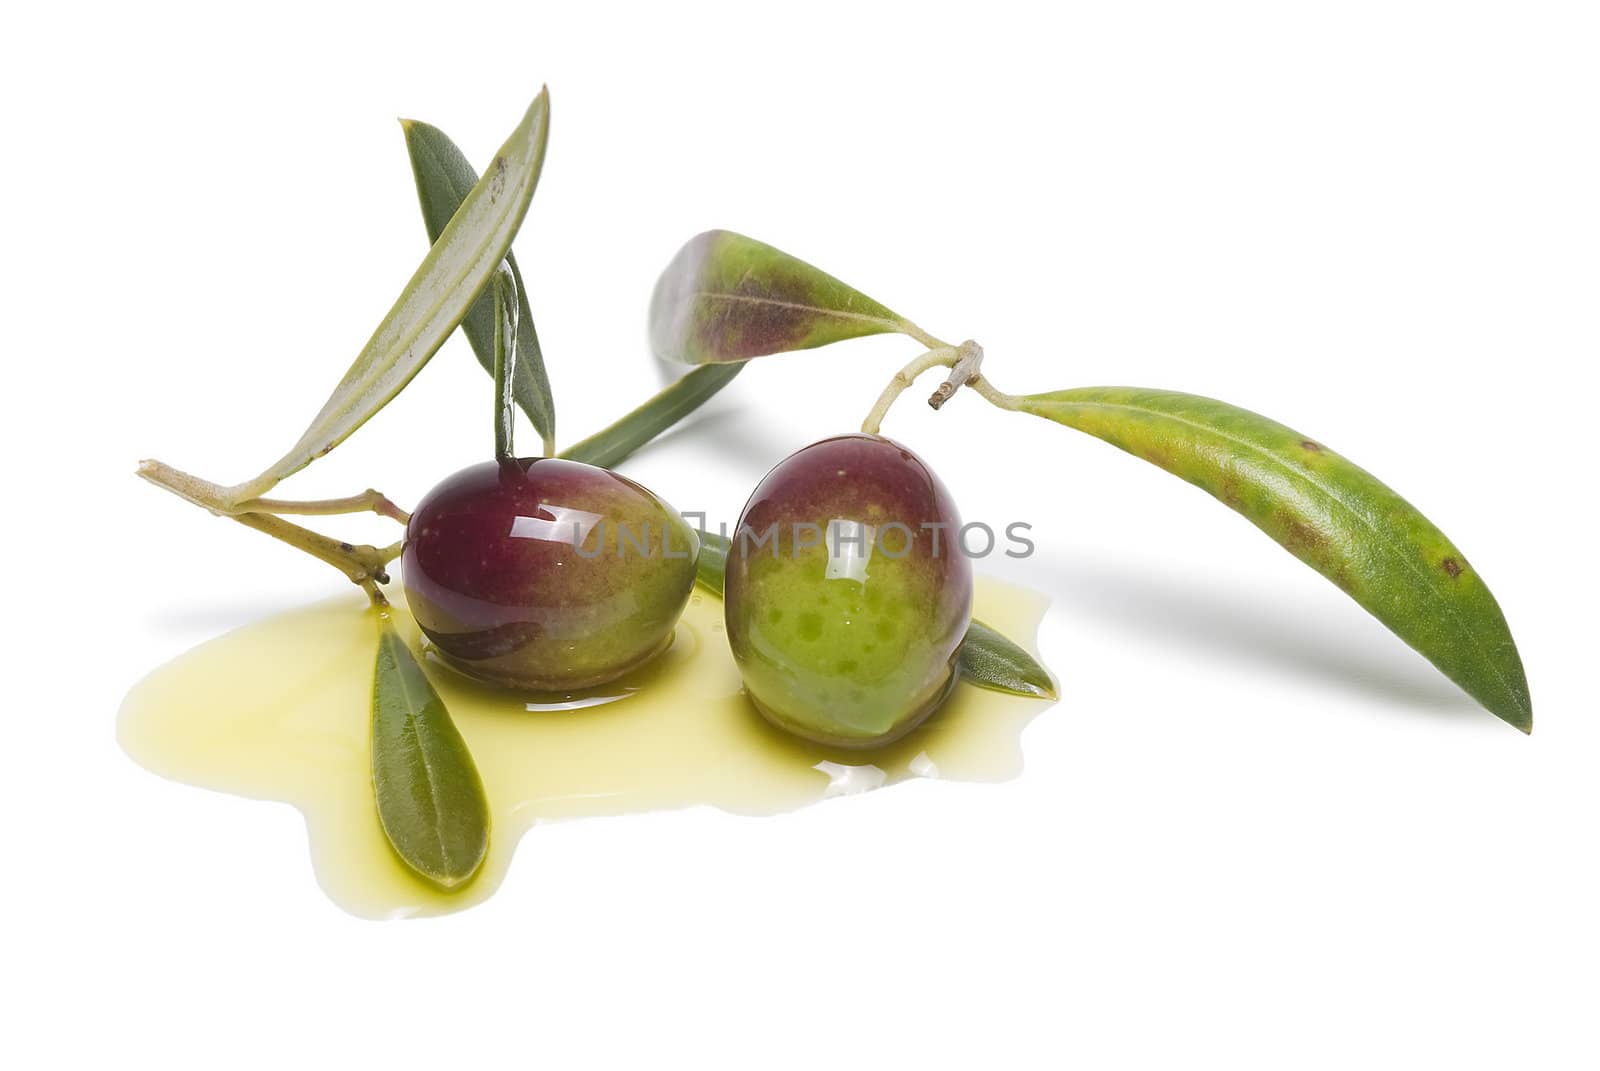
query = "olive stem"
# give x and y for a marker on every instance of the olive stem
(923, 337)
(993, 395)
(969, 359)
(369, 500)
(362, 564)
(963, 360)
(216, 498)
(939, 357)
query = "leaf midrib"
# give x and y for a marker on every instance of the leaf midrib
(892, 325)
(422, 752)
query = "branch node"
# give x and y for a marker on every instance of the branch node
(964, 372)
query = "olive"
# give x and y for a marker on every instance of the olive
(847, 592)
(546, 575)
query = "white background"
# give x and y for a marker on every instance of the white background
(1257, 831)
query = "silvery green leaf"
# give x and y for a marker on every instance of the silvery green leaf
(450, 278)
(444, 178)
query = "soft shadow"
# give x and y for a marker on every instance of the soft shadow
(225, 615)
(733, 430)
(1342, 652)
(743, 448)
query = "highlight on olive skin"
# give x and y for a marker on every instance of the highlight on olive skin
(546, 575)
(846, 593)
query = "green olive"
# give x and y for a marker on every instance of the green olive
(847, 593)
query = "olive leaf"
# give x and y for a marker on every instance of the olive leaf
(711, 567)
(1332, 515)
(445, 285)
(725, 297)
(987, 658)
(443, 178)
(610, 446)
(430, 799)
(991, 661)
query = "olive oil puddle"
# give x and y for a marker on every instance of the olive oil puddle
(279, 710)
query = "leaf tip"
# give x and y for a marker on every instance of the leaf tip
(1520, 718)
(541, 103)
(1033, 690)
(1515, 705)
(453, 882)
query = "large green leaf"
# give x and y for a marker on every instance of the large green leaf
(444, 177)
(1329, 513)
(987, 659)
(450, 278)
(611, 445)
(726, 297)
(430, 800)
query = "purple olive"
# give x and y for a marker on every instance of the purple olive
(545, 574)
